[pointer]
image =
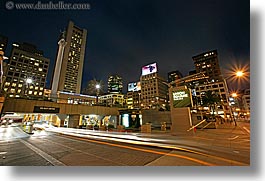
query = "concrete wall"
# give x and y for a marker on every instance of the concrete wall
(156, 117)
(27, 106)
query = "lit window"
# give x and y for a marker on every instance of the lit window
(19, 85)
(19, 90)
(41, 88)
(14, 84)
(7, 83)
(40, 93)
(35, 93)
(30, 92)
(37, 64)
(12, 90)
(40, 69)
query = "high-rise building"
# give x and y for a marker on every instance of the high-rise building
(3, 43)
(134, 95)
(173, 76)
(208, 62)
(26, 72)
(115, 84)
(153, 88)
(73, 59)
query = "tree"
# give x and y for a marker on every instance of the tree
(211, 99)
(91, 89)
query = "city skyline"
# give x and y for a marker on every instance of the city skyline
(125, 36)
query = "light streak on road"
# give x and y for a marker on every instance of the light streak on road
(132, 139)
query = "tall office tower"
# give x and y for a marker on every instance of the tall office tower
(73, 59)
(115, 84)
(208, 62)
(26, 72)
(153, 88)
(173, 76)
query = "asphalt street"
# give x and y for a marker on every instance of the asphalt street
(227, 146)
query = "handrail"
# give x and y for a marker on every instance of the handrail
(197, 125)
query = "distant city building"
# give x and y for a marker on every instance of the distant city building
(26, 62)
(3, 43)
(192, 72)
(173, 76)
(134, 95)
(115, 84)
(72, 98)
(208, 62)
(216, 87)
(73, 59)
(112, 100)
(154, 91)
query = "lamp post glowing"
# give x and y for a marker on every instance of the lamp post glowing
(237, 74)
(97, 89)
(28, 82)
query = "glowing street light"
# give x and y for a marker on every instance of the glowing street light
(234, 94)
(239, 73)
(29, 80)
(97, 88)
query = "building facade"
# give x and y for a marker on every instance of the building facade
(154, 91)
(208, 62)
(246, 100)
(111, 100)
(173, 76)
(73, 59)
(134, 99)
(26, 62)
(115, 84)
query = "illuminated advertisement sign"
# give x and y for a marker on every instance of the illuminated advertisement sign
(135, 86)
(181, 98)
(149, 69)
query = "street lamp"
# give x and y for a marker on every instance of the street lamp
(28, 81)
(237, 74)
(97, 89)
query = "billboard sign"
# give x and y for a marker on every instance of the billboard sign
(149, 69)
(181, 98)
(43, 109)
(135, 86)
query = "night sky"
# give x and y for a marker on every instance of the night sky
(124, 35)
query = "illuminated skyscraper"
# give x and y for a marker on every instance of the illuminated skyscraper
(208, 62)
(115, 84)
(26, 62)
(153, 88)
(73, 59)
